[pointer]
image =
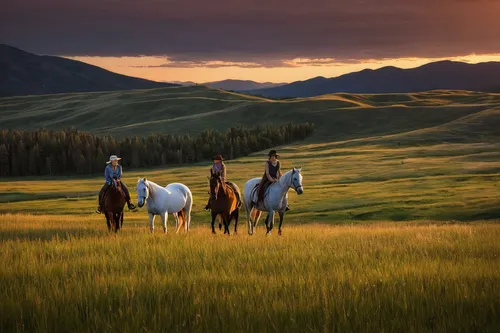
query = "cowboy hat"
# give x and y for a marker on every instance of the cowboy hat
(113, 158)
(218, 158)
(273, 153)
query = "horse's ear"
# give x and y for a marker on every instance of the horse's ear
(145, 179)
(299, 169)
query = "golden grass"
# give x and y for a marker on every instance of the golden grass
(68, 274)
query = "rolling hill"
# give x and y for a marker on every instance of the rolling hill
(438, 75)
(236, 85)
(23, 73)
(338, 117)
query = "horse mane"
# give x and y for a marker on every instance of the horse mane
(286, 175)
(223, 185)
(152, 187)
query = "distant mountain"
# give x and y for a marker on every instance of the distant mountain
(183, 83)
(236, 85)
(241, 85)
(23, 73)
(438, 75)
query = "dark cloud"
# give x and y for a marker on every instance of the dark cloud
(260, 32)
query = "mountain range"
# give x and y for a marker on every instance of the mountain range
(230, 84)
(23, 73)
(447, 75)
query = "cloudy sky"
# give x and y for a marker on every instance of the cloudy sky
(264, 40)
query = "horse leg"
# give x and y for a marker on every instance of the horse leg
(281, 214)
(151, 222)
(176, 216)
(107, 221)
(270, 222)
(220, 222)
(111, 220)
(121, 220)
(214, 216)
(249, 217)
(236, 215)
(180, 218)
(164, 219)
(117, 221)
(267, 224)
(258, 214)
(226, 220)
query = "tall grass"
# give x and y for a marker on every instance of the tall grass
(68, 274)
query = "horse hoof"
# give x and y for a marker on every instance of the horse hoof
(213, 232)
(279, 233)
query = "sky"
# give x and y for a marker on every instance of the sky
(262, 40)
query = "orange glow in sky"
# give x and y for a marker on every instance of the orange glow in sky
(292, 70)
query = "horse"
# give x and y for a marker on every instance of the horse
(114, 201)
(175, 199)
(275, 200)
(223, 202)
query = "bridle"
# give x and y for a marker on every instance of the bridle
(293, 182)
(216, 188)
(145, 193)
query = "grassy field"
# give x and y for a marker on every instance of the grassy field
(66, 274)
(396, 231)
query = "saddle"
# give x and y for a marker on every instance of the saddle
(255, 192)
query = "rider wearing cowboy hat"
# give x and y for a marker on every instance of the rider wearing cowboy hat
(219, 169)
(112, 173)
(271, 175)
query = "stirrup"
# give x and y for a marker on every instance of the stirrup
(98, 210)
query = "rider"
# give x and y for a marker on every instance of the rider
(219, 169)
(271, 175)
(112, 173)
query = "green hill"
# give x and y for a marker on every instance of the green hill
(192, 109)
(430, 155)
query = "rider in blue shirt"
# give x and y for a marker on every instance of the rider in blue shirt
(112, 173)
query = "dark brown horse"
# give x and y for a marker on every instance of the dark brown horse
(114, 201)
(224, 202)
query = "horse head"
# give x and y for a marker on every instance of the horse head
(296, 182)
(215, 183)
(142, 191)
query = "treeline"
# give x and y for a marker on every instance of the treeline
(47, 152)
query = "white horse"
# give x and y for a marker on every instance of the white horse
(173, 199)
(275, 200)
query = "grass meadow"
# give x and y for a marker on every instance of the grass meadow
(67, 274)
(397, 230)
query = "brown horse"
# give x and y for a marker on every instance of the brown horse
(223, 202)
(114, 201)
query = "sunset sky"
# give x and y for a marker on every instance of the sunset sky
(271, 40)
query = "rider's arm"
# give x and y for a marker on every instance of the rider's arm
(119, 171)
(271, 179)
(223, 174)
(279, 170)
